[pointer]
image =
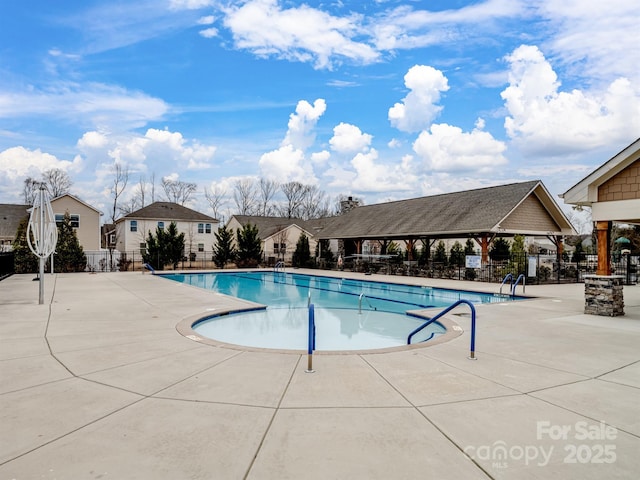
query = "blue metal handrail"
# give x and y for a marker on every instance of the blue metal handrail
(508, 276)
(311, 341)
(149, 267)
(278, 265)
(445, 311)
(513, 288)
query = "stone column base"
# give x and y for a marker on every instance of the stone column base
(603, 295)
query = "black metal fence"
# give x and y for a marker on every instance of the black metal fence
(6, 264)
(537, 268)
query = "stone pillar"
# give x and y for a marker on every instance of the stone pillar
(603, 295)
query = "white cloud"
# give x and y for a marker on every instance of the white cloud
(373, 176)
(301, 124)
(94, 104)
(299, 33)
(320, 158)
(209, 32)
(208, 20)
(348, 138)
(593, 36)
(18, 163)
(544, 120)
(286, 164)
(418, 109)
(189, 4)
(446, 148)
(92, 140)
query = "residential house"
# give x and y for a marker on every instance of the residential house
(132, 229)
(85, 219)
(10, 217)
(279, 235)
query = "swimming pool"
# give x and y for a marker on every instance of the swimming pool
(350, 314)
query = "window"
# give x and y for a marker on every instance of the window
(201, 247)
(207, 228)
(112, 239)
(133, 225)
(201, 228)
(75, 220)
(279, 247)
(161, 225)
(143, 248)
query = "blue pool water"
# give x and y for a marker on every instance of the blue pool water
(350, 314)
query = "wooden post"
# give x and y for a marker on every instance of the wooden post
(603, 230)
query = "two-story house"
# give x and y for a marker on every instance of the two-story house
(132, 229)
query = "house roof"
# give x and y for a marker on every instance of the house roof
(167, 211)
(77, 200)
(10, 217)
(507, 209)
(269, 226)
(585, 192)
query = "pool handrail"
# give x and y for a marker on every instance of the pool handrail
(513, 288)
(279, 265)
(149, 267)
(447, 310)
(311, 340)
(508, 276)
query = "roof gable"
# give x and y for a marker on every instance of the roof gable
(168, 211)
(585, 192)
(451, 214)
(269, 226)
(75, 199)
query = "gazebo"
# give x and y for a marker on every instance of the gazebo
(524, 208)
(612, 191)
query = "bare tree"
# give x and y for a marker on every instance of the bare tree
(153, 187)
(315, 203)
(346, 203)
(119, 183)
(178, 191)
(268, 189)
(245, 196)
(295, 193)
(214, 196)
(142, 191)
(57, 181)
(30, 190)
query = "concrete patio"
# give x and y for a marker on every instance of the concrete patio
(98, 383)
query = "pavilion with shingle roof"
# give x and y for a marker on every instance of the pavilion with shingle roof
(524, 208)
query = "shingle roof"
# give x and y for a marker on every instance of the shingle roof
(470, 211)
(268, 226)
(10, 217)
(168, 211)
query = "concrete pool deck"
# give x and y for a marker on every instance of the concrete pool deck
(98, 383)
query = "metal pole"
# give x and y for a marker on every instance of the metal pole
(311, 345)
(41, 286)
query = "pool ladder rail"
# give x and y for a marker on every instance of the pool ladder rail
(472, 348)
(512, 284)
(279, 267)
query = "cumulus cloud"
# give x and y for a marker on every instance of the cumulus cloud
(544, 119)
(286, 164)
(320, 158)
(447, 148)
(348, 138)
(94, 104)
(18, 163)
(418, 109)
(374, 176)
(300, 133)
(300, 33)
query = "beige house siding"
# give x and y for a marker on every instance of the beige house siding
(88, 231)
(530, 215)
(128, 241)
(623, 186)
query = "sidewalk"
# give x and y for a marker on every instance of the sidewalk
(97, 383)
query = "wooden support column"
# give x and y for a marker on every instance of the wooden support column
(358, 243)
(603, 231)
(410, 244)
(483, 241)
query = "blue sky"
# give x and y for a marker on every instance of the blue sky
(380, 100)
